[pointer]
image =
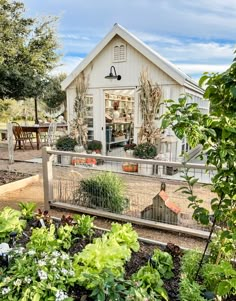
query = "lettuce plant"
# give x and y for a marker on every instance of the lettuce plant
(83, 225)
(27, 209)
(163, 262)
(10, 222)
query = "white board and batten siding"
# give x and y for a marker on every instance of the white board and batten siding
(134, 57)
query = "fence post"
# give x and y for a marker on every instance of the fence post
(47, 177)
(10, 143)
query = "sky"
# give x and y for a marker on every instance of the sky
(197, 36)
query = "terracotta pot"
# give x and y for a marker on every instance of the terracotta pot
(130, 167)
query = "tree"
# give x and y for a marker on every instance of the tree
(217, 133)
(53, 94)
(28, 51)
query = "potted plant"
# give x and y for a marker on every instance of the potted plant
(94, 146)
(66, 143)
(129, 149)
(145, 150)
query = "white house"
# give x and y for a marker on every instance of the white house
(125, 56)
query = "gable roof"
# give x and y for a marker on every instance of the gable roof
(169, 68)
(165, 198)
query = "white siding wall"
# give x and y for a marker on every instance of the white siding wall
(130, 71)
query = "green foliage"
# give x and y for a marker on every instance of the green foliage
(27, 209)
(109, 252)
(189, 264)
(105, 190)
(53, 94)
(28, 51)
(10, 222)
(125, 235)
(150, 280)
(43, 239)
(163, 262)
(220, 279)
(34, 276)
(66, 143)
(83, 225)
(94, 145)
(110, 287)
(190, 290)
(145, 151)
(217, 133)
(64, 236)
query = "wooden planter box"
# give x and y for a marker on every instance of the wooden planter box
(18, 184)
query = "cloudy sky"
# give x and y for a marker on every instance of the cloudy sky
(197, 36)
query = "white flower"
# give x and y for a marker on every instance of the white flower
(42, 275)
(41, 263)
(56, 253)
(64, 256)
(32, 252)
(60, 295)
(17, 282)
(64, 271)
(5, 290)
(54, 261)
(44, 254)
(71, 273)
(27, 280)
(7, 279)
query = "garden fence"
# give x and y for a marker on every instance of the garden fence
(150, 195)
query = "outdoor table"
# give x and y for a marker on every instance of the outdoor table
(41, 128)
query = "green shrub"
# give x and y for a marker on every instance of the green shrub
(95, 145)
(66, 143)
(105, 190)
(145, 151)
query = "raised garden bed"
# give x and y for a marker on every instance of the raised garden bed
(71, 260)
(10, 181)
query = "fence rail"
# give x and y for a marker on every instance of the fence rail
(148, 201)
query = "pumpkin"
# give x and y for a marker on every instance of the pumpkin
(91, 161)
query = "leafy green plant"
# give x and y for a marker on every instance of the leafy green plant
(217, 133)
(163, 262)
(105, 190)
(94, 145)
(83, 225)
(10, 222)
(64, 236)
(37, 276)
(43, 217)
(44, 239)
(220, 278)
(129, 146)
(189, 264)
(150, 280)
(109, 252)
(190, 290)
(124, 235)
(27, 209)
(145, 151)
(66, 143)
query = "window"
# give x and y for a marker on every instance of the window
(89, 116)
(119, 53)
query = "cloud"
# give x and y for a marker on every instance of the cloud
(201, 68)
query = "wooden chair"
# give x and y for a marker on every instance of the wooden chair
(21, 137)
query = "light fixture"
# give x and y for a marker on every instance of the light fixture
(113, 76)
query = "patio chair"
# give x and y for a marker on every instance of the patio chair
(21, 137)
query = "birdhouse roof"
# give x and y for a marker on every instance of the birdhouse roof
(165, 198)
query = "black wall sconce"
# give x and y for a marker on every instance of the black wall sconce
(112, 74)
